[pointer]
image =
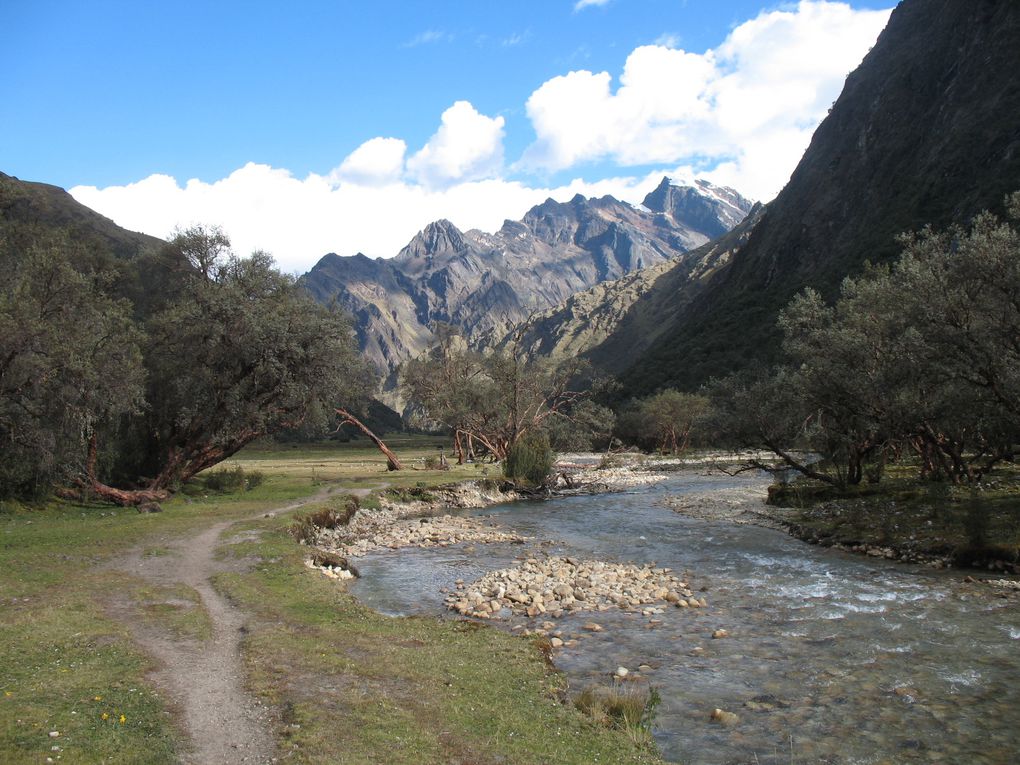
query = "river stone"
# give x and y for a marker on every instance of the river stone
(723, 717)
(621, 672)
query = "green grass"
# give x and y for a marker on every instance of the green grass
(350, 685)
(411, 690)
(971, 524)
(58, 647)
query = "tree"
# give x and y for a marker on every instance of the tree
(668, 417)
(235, 351)
(530, 460)
(346, 418)
(922, 355)
(585, 426)
(765, 409)
(494, 399)
(69, 364)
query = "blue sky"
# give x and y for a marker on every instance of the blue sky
(295, 125)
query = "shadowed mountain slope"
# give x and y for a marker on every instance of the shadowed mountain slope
(926, 130)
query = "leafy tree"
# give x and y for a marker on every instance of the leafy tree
(765, 409)
(234, 351)
(529, 460)
(69, 363)
(666, 419)
(495, 399)
(585, 426)
(924, 355)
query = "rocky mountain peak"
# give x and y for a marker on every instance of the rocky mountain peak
(657, 200)
(711, 209)
(488, 283)
(924, 132)
(439, 239)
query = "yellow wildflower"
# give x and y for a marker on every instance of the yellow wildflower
(105, 716)
(98, 698)
(123, 719)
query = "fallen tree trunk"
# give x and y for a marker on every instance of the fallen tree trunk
(346, 418)
(89, 484)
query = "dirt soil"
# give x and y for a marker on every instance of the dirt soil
(203, 679)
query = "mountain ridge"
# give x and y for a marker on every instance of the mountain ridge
(487, 284)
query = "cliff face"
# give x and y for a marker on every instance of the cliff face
(486, 284)
(926, 130)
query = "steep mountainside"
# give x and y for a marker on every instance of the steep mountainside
(27, 207)
(925, 131)
(613, 323)
(487, 283)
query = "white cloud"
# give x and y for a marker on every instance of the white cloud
(428, 37)
(467, 147)
(740, 115)
(582, 4)
(376, 162)
(299, 221)
(515, 39)
(748, 106)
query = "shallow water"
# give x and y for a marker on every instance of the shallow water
(830, 658)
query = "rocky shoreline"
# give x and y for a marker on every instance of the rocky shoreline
(410, 520)
(747, 506)
(556, 586)
(417, 518)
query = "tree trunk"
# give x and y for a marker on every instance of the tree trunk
(392, 463)
(90, 484)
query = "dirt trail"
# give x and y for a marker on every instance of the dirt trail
(204, 679)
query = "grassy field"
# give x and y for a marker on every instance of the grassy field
(349, 685)
(968, 524)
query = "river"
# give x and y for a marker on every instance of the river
(830, 658)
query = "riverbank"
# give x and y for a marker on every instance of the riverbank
(822, 655)
(970, 529)
(418, 516)
(337, 681)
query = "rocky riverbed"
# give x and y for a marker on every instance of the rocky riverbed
(386, 530)
(742, 506)
(816, 655)
(418, 518)
(557, 585)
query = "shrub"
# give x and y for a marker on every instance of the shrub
(328, 516)
(630, 707)
(229, 480)
(529, 460)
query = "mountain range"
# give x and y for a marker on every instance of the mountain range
(688, 284)
(488, 284)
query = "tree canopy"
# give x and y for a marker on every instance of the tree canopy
(131, 398)
(494, 399)
(922, 356)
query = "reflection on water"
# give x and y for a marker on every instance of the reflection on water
(829, 659)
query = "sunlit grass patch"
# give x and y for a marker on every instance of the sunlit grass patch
(401, 690)
(176, 608)
(630, 707)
